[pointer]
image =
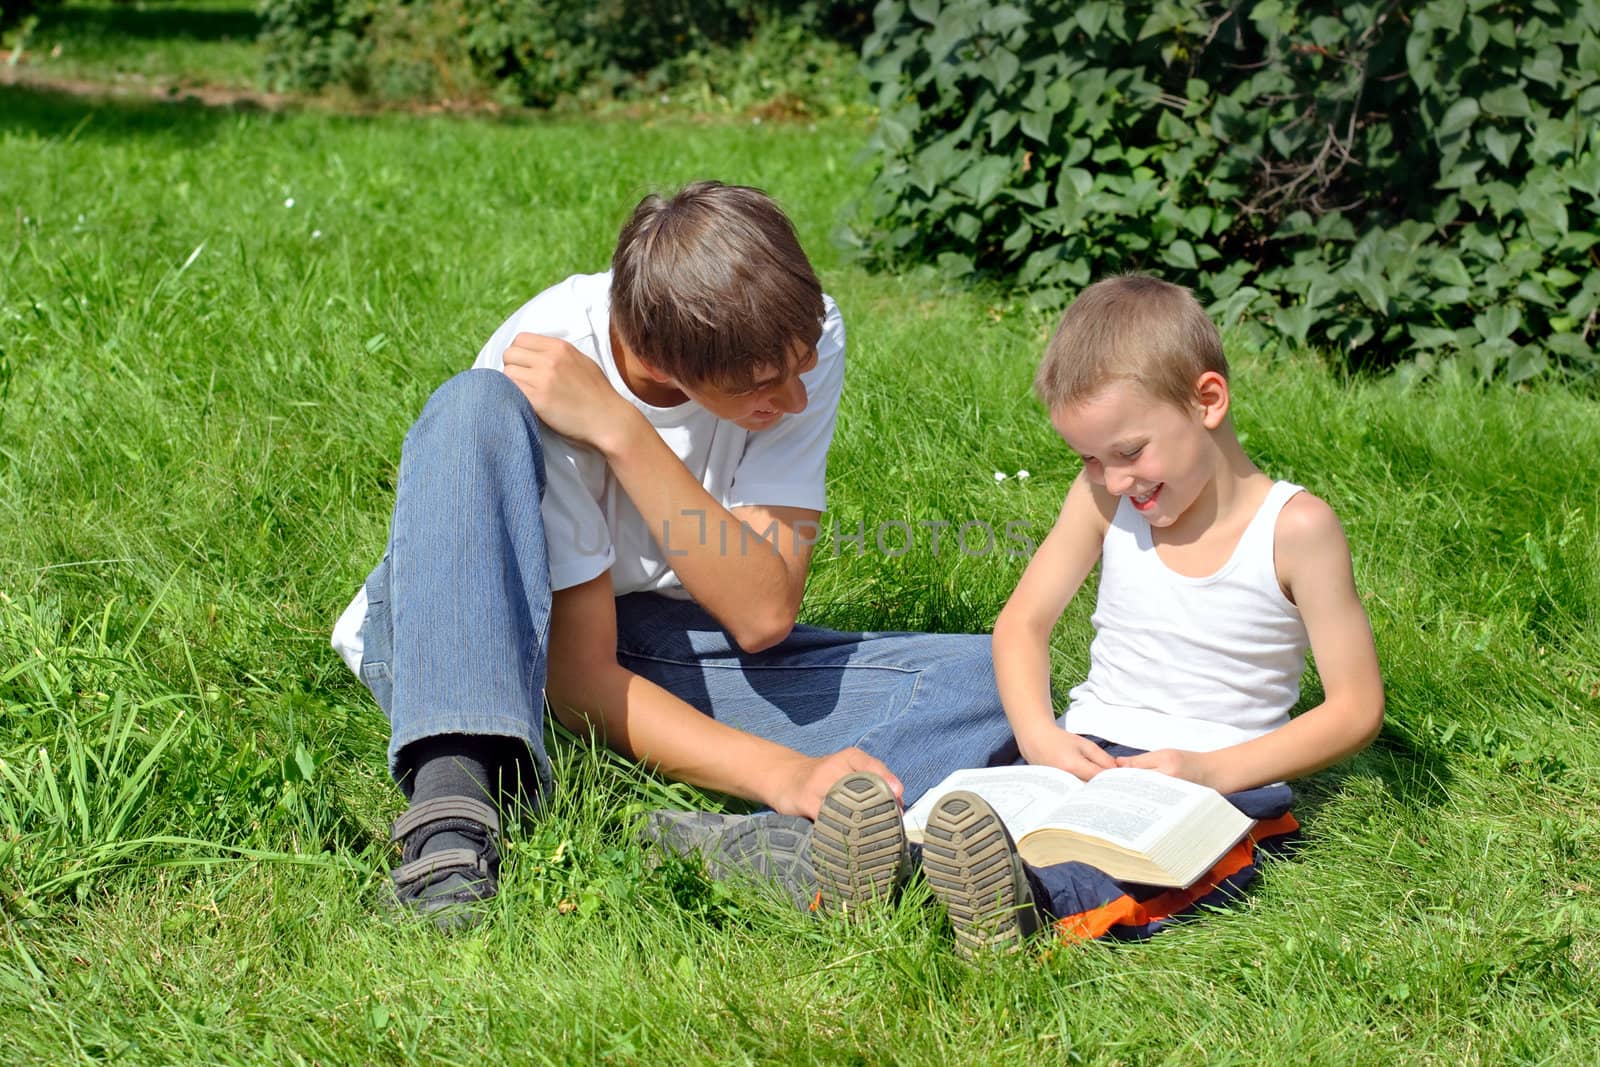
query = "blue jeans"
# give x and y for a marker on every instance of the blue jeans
(458, 616)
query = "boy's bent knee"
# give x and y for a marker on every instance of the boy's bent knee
(478, 405)
(474, 391)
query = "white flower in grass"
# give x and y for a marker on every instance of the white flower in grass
(999, 476)
(1023, 475)
(289, 202)
(316, 235)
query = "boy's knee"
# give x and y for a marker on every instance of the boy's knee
(480, 405)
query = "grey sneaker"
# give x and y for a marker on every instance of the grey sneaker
(859, 845)
(972, 866)
(766, 847)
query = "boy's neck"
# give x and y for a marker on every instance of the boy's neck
(638, 378)
(1236, 486)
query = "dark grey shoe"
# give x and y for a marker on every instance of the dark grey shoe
(767, 848)
(445, 884)
(859, 845)
(972, 866)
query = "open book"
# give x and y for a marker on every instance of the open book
(1136, 825)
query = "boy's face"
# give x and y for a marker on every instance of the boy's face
(1156, 453)
(777, 393)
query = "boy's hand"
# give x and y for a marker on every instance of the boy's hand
(803, 785)
(567, 389)
(1174, 762)
(1055, 747)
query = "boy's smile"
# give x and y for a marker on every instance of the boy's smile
(1146, 501)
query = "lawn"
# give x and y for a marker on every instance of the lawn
(215, 328)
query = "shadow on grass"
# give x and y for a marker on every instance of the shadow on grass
(1416, 774)
(168, 22)
(53, 113)
(1416, 778)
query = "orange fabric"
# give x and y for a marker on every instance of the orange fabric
(1125, 911)
(1088, 925)
(1283, 824)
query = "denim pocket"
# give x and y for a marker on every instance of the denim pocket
(377, 637)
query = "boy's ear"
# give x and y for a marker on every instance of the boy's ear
(1211, 397)
(654, 373)
(621, 350)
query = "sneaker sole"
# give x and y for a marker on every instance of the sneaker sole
(969, 861)
(771, 848)
(858, 846)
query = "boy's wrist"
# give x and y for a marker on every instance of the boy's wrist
(1036, 739)
(624, 434)
(1222, 771)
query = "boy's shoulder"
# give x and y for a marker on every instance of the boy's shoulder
(1308, 534)
(1306, 515)
(575, 310)
(570, 304)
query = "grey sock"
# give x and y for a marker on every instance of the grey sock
(454, 765)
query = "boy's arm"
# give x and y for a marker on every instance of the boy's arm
(1313, 563)
(747, 567)
(1022, 632)
(750, 583)
(589, 690)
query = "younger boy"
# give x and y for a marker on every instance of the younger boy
(1214, 580)
(614, 511)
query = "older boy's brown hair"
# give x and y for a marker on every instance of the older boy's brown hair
(1135, 329)
(710, 286)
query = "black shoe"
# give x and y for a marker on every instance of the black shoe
(444, 885)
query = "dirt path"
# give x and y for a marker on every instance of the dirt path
(137, 88)
(23, 77)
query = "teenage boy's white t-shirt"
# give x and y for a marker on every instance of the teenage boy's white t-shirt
(590, 524)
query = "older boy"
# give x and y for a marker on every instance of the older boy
(614, 511)
(1214, 580)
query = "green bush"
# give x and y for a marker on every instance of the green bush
(532, 52)
(1391, 182)
(14, 11)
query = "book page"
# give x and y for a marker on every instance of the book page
(1129, 806)
(1023, 796)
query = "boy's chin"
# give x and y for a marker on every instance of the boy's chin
(759, 422)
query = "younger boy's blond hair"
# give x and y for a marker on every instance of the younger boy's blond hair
(1131, 328)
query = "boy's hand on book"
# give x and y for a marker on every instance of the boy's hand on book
(567, 389)
(1077, 755)
(1175, 763)
(807, 781)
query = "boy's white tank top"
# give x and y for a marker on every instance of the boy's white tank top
(1191, 663)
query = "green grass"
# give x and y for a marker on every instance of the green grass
(202, 396)
(150, 42)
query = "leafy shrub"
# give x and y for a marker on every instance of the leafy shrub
(1387, 180)
(531, 52)
(315, 43)
(14, 11)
